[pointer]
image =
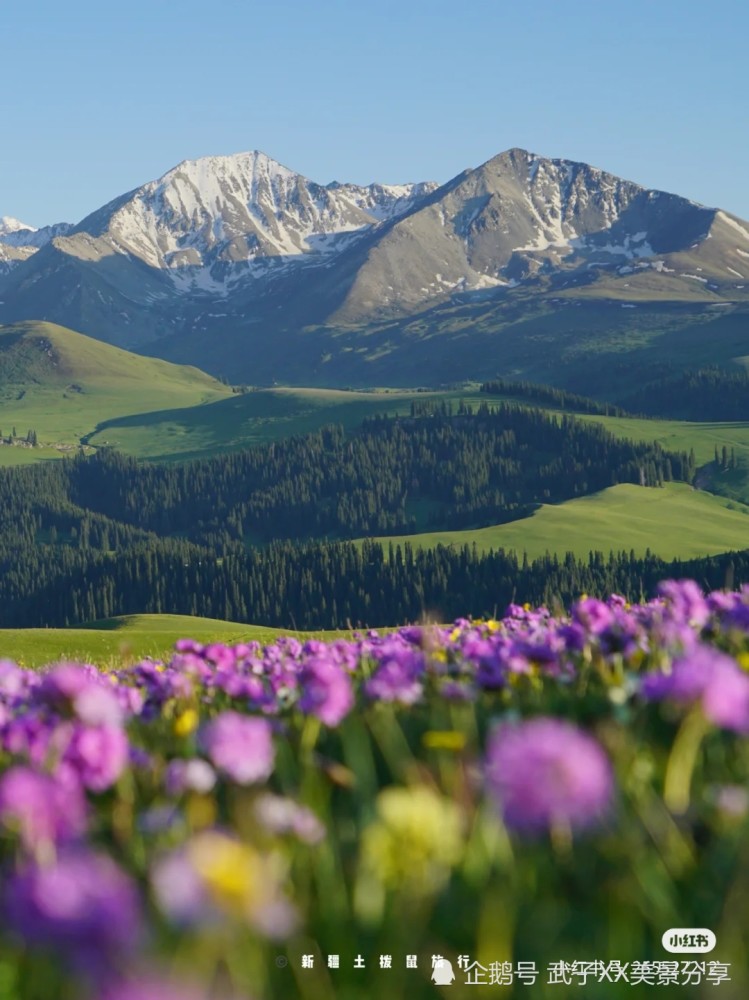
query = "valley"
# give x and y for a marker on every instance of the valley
(374, 501)
(344, 335)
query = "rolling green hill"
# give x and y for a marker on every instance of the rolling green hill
(125, 639)
(265, 415)
(62, 385)
(251, 418)
(674, 521)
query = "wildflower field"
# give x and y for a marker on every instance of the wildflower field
(525, 806)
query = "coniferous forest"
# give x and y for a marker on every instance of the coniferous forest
(260, 535)
(704, 394)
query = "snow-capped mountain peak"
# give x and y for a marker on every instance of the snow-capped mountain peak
(242, 243)
(210, 222)
(10, 225)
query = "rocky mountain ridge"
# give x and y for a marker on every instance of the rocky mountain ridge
(240, 257)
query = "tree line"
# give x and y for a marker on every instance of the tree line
(320, 585)
(546, 394)
(703, 394)
(395, 475)
(260, 535)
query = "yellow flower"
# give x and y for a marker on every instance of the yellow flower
(242, 882)
(446, 739)
(230, 870)
(186, 722)
(743, 660)
(415, 841)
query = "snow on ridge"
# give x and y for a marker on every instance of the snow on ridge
(724, 217)
(10, 225)
(34, 239)
(217, 214)
(559, 191)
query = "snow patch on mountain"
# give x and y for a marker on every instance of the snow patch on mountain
(207, 222)
(10, 225)
(17, 234)
(734, 224)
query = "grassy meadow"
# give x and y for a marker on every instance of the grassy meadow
(127, 639)
(675, 521)
(63, 385)
(74, 390)
(252, 418)
(264, 415)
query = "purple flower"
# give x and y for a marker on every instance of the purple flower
(325, 690)
(241, 747)
(43, 810)
(98, 754)
(593, 614)
(457, 691)
(686, 601)
(13, 680)
(396, 679)
(189, 646)
(731, 609)
(706, 675)
(29, 736)
(489, 660)
(75, 689)
(83, 906)
(546, 772)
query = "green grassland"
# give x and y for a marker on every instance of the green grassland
(63, 385)
(254, 417)
(673, 521)
(264, 415)
(682, 435)
(72, 389)
(129, 638)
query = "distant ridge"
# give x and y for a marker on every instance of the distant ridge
(249, 269)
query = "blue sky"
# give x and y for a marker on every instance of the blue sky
(99, 97)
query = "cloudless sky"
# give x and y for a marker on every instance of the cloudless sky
(100, 96)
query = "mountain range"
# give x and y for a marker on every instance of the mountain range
(528, 266)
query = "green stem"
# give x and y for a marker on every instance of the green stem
(682, 760)
(310, 734)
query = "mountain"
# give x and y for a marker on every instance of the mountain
(523, 220)
(17, 234)
(246, 268)
(19, 241)
(9, 225)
